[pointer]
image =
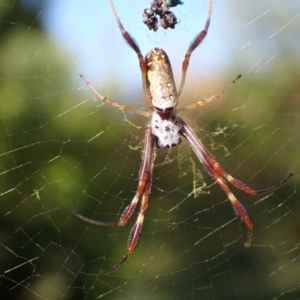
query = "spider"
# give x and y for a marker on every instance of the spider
(164, 130)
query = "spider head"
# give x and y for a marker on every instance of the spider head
(160, 81)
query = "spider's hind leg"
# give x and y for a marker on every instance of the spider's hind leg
(215, 170)
(248, 190)
(143, 191)
(135, 233)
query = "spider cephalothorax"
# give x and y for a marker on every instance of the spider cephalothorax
(164, 131)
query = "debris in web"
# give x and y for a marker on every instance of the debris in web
(161, 9)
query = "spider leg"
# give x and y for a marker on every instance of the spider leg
(112, 103)
(195, 43)
(132, 43)
(143, 190)
(246, 189)
(135, 233)
(211, 98)
(214, 169)
(126, 215)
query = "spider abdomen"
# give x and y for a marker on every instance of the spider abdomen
(161, 83)
(166, 128)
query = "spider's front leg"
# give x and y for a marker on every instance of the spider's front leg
(215, 170)
(132, 43)
(143, 190)
(195, 43)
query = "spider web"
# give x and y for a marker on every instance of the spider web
(62, 150)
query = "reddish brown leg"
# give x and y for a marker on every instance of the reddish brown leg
(143, 190)
(219, 175)
(246, 189)
(196, 42)
(129, 39)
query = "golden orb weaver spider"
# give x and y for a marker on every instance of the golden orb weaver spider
(164, 130)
